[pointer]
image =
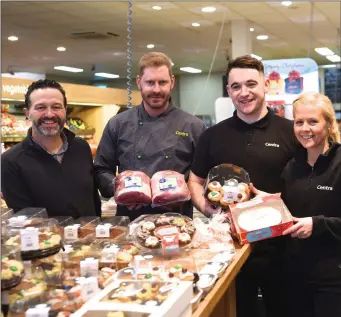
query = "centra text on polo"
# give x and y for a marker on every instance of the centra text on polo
(181, 133)
(272, 144)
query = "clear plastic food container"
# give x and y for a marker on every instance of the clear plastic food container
(39, 239)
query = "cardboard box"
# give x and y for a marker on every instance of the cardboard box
(260, 219)
(174, 305)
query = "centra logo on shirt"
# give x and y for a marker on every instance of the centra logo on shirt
(271, 144)
(181, 133)
(324, 187)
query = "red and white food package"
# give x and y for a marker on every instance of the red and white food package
(169, 188)
(132, 187)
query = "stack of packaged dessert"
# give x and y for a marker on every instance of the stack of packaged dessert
(251, 218)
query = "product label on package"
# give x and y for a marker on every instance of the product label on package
(89, 287)
(109, 253)
(169, 236)
(132, 181)
(38, 311)
(29, 239)
(89, 267)
(230, 194)
(259, 235)
(168, 183)
(71, 232)
(103, 231)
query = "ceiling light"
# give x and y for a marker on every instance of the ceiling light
(324, 51)
(150, 46)
(208, 9)
(262, 37)
(196, 24)
(61, 49)
(286, 3)
(256, 57)
(68, 69)
(191, 70)
(328, 66)
(252, 29)
(157, 8)
(13, 38)
(334, 58)
(172, 64)
(107, 75)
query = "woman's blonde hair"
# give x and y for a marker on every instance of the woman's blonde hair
(324, 103)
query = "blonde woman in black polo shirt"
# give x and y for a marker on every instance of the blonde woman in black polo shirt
(312, 192)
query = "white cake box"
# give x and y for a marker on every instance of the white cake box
(139, 298)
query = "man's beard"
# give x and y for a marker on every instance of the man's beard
(164, 98)
(45, 131)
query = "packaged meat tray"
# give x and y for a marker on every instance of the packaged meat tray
(132, 187)
(227, 184)
(169, 188)
(169, 231)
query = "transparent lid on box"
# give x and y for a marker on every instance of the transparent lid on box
(27, 217)
(140, 292)
(6, 213)
(227, 184)
(29, 292)
(169, 232)
(64, 220)
(113, 228)
(82, 229)
(12, 268)
(40, 238)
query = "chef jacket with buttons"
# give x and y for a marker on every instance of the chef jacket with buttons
(316, 192)
(132, 140)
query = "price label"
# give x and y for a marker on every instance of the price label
(89, 267)
(89, 288)
(109, 253)
(132, 181)
(29, 239)
(168, 183)
(71, 232)
(38, 311)
(103, 231)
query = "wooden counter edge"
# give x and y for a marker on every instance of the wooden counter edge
(211, 300)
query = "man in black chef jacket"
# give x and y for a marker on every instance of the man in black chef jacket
(154, 136)
(51, 167)
(262, 143)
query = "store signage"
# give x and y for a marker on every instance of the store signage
(288, 78)
(15, 89)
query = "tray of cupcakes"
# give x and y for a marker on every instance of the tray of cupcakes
(167, 231)
(37, 237)
(227, 184)
(12, 268)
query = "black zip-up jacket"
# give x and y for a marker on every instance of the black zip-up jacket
(316, 192)
(31, 177)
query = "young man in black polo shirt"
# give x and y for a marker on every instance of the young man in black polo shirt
(262, 143)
